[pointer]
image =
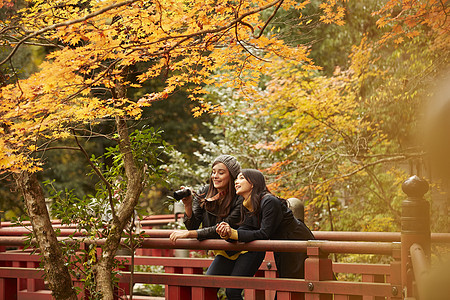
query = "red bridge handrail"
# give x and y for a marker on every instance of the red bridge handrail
(382, 248)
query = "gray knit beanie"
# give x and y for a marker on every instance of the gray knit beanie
(232, 164)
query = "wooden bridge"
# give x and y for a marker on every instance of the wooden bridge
(407, 252)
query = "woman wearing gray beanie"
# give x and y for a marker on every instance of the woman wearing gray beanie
(214, 203)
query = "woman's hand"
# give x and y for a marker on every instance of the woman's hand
(187, 201)
(224, 230)
(178, 234)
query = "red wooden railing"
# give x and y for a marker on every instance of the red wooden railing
(21, 277)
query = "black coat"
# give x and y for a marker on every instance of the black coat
(208, 220)
(276, 222)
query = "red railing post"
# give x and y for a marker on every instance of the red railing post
(200, 293)
(84, 294)
(21, 282)
(34, 285)
(123, 288)
(373, 278)
(267, 269)
(8, 288)
(271, 272)
(395, 274)
(415, 222)
(177, 292)
(317, 267)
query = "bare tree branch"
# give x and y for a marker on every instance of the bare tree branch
(269, 19)
(66, 23)
(58, 148)
(365, 166)
(185, 37)
(236, 33)
(100, 175)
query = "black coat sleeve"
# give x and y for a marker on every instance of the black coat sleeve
(233, 218)
(271, 217)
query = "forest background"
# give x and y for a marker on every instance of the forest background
(109, 106)
(327, 98)
(342, 136)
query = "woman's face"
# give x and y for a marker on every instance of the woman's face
(243, 187)
(220, 176)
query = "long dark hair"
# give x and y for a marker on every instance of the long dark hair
(259, 190)
(221, 208)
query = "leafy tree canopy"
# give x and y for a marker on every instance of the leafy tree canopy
(95, 44)
(99, 54)
(344, 140)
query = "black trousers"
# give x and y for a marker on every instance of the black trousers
(290, 264)
(245, 265)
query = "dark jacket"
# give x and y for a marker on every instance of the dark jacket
(208, 220)
(276, 222)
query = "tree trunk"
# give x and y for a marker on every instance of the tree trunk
(124, 213)
(105, 265)
(57, 274)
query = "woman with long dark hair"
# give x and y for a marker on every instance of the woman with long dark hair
(265, 216)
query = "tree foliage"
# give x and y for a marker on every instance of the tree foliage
(345, 141)
(99, 41)
(330, 137)
(97, 52)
